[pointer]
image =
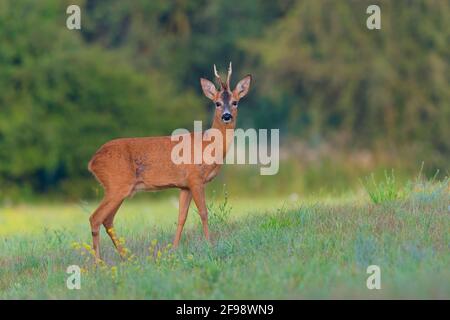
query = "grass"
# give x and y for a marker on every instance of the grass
(384, 190)
(261, 248)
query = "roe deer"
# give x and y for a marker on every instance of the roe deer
(125, 166)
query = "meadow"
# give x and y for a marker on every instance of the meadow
(266, 248)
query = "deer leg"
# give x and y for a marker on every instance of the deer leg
(184, 202)
(109, 227)
(108, 204)
(198, 194)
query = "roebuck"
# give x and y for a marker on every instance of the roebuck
(125, 166)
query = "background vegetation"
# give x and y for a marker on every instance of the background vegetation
(348, 100)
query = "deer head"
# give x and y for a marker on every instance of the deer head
(225, 99)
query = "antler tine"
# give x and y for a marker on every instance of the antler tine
(216, 73)
(218, 76)
(230, 71)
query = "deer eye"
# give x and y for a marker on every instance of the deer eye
(234, 103)
(218, 104)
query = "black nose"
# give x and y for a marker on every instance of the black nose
(227, 117)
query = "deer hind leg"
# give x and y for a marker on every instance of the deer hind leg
(109, 205)
(185, 201)
(198, 194)
(108, 223)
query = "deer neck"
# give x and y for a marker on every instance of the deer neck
(227, 131)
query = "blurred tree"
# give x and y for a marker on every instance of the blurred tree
(390, 85)
(183, 38)
(133, 70)
(62, 99)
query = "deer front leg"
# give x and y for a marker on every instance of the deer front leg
(184, 202)
(198, 194)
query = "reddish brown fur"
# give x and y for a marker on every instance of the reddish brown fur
(125, 166)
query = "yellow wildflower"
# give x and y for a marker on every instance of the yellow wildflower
(114, 272)
(75, 245)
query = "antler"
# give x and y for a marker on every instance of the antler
(230, 71)
(226, 84)
(218, 77)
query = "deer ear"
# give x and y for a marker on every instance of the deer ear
(243, 86)
(209, 89)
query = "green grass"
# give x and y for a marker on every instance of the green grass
(384, 190)
(261, 248)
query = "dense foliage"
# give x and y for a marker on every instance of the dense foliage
(133, 70)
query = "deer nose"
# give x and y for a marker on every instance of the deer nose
(226, 117)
